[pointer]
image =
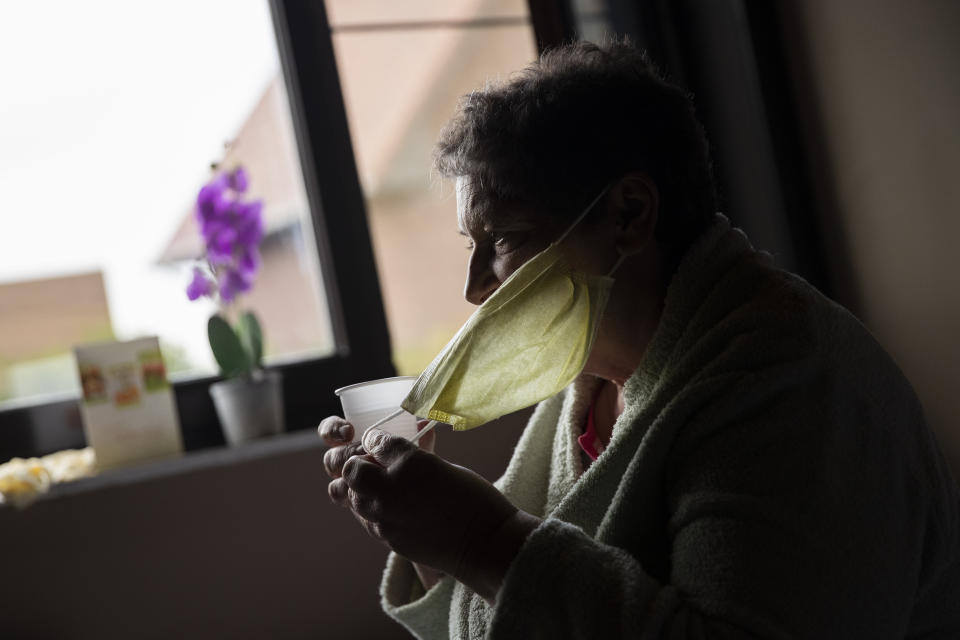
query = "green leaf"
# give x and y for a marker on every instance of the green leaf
(227, 349)
(251, 336)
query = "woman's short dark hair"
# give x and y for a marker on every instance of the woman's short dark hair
(554, 134)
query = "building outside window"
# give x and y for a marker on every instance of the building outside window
(403, 66)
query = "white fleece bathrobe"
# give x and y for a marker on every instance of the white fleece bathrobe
(771, 476)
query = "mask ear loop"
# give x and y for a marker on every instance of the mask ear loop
(582, 215)
(616, 265)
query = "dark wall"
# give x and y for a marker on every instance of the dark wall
(249, 547)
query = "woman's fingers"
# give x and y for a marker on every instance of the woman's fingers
(335, 431)
(366, 508)
(385, 448)
(335, 458)
(360, 487)
(368, 484)
(371, 528)
(357, 479)
(365, 476)
(338, 490)
(344, 496)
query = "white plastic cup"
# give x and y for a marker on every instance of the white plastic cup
(365, 403)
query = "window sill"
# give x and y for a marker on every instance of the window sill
(187, 463)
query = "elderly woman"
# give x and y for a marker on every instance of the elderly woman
(738, 458)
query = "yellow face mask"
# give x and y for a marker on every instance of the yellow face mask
(525, 343)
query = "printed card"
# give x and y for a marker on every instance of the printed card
(129, 412)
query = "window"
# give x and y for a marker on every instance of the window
(175, 81)
(113, 114)
(403, 67)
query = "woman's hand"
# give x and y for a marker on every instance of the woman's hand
(338, 434)
(428, 510)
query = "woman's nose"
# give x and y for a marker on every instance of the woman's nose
(481, 281)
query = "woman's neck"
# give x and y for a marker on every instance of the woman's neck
(627, 328)
(629, 324)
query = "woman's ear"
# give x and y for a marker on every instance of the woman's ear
(637, 202)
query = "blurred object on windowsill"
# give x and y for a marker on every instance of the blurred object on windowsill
(22, 481)
(128, 409)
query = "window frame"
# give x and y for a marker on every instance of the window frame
(347, 266)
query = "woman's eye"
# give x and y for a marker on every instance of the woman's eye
(507, 241)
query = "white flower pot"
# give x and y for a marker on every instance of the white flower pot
(249, 407)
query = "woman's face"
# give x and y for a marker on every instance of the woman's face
(500, 240)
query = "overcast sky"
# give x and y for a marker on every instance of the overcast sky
(112, 110)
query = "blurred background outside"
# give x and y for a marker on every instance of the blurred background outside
(401, 82)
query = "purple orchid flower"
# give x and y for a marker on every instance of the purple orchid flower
(200, 285)
(250, 224)
(249, 261)
(233, 282)
(211, 201)
(220, 244)
(232, 231)
(238, 180)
